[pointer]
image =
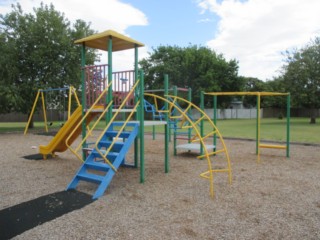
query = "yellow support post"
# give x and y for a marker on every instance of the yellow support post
(32, 111)
(69, 101)
(44, 112)
(258, 126)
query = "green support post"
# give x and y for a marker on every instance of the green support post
(175, 129)
(83, 95)
(109, 96)
(288, 125)
(174, 143)
(153, 132)
(166, 133)
(141, 128)
(189, 112)
(201, 122)
(215, 120)
(136, 98)
(258, 124)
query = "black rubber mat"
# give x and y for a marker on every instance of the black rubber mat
(37, 156)
(24, 216)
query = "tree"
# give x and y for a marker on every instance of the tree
(37, 51)
(199, 68)
(252, 85)
(302, 76)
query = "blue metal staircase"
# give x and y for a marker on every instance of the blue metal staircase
(95, 169)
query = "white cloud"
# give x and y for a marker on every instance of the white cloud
(255, 32)
(103, 15)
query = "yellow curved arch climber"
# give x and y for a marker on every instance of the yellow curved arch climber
(199, 136)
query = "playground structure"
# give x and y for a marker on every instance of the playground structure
(199, 138)
(107, 94)
(44, 102)
(258, 95)
(157, 114)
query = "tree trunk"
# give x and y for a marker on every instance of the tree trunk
(313, 117)
(312, 120)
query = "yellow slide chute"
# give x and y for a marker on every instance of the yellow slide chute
(58, 143)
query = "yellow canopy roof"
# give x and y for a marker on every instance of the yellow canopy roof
(100, 41)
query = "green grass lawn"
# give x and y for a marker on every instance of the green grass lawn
(271, 129)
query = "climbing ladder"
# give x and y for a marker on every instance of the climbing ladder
(96, 169)
(181, 128)
(108, 153)
(199, 135)
(150, 108)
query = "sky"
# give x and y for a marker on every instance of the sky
(256, 33)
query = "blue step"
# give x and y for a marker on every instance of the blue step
(114, 133)
(111, 155)
(96, 162)
(106, 144)
(89, 177)
(99, 166)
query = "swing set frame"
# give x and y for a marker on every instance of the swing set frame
(41, 92)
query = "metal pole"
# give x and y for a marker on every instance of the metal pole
(201, 122)
(174, 125)
(136, 98)
(166, 133)
(109, 96)
(141, 132)
(69, 102)
(44, 112)
(83, 96)
(215, 120)
(288, 125)
(189, 112)
(31, 113)
(258, 127)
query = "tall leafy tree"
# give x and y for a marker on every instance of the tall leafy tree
(252, 85)
(38, 52)
(199, 68)
(302, 76)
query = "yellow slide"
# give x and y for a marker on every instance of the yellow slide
(58, 143)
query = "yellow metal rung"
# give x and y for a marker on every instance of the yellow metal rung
(199, 120)
(187, 127)
(187, 109)
(206, 136)
(209, 134)
(212, 153)
(176, 117)
(195, 140)
(272, 146)
(204, 174)
(163, 111)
